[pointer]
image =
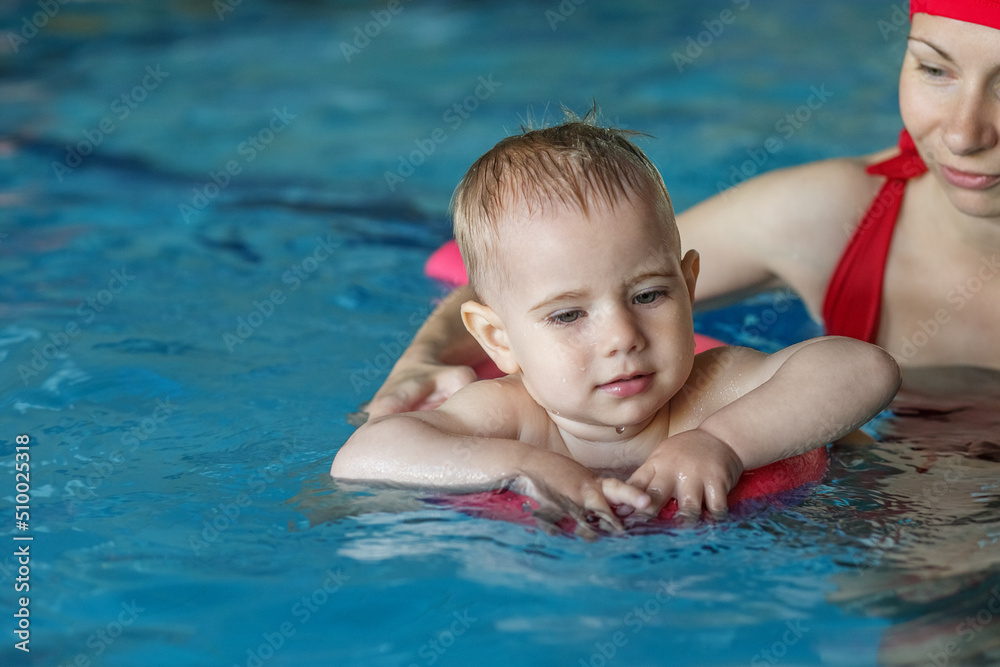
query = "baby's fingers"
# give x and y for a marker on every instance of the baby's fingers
(715, 500)
(644, 479)
(595, 503)
(618, 492)
(690, 496)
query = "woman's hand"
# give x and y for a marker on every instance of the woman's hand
(418, 385)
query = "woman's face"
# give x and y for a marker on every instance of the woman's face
(949, 97)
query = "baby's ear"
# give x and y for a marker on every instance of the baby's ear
(486, 327)
(690, 265)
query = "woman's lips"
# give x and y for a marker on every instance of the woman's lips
(629, 386)
(969, 180)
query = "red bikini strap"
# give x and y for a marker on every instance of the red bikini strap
(853, 300)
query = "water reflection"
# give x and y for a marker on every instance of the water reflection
(930, 562)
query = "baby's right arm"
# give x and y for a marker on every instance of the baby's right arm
(470, 442)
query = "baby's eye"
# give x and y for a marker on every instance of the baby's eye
(566, 316)
(644, 298)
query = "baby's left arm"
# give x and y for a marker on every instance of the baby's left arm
(802, 397)
(744, 409)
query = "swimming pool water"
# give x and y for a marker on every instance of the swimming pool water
(213, 219)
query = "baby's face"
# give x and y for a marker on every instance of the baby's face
(598, 313)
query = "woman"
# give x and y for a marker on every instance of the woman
(914, 274)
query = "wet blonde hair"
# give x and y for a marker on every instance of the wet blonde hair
(572, 165)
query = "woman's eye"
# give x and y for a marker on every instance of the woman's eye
(648, 297)
(932, 71)
(567, 316)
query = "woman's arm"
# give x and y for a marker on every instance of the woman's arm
(785, 227)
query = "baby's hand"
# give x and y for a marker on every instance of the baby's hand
(622, 494)
(694, 467)
(563, 488)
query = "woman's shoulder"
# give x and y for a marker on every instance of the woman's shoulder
(790, 201)
(835, 181)
(790, 224)
(825, 195)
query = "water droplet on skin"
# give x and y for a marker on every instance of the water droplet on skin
(619, 430)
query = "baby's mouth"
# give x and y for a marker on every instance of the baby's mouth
(629, 385)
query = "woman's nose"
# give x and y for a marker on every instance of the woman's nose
(972, 125)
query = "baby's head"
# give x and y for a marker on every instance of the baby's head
(574, 166)
(570, 242)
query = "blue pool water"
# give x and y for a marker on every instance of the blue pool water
(213, 219)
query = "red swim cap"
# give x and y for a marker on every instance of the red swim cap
(983, 12)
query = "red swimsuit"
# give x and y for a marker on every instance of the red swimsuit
(853, 300)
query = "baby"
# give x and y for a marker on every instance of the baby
(584, 300)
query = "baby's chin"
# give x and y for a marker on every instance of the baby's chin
(589, 429)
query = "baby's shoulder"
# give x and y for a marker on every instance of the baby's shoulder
(501, 394)
(718, 377)
(493, 407)
(718, 365)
